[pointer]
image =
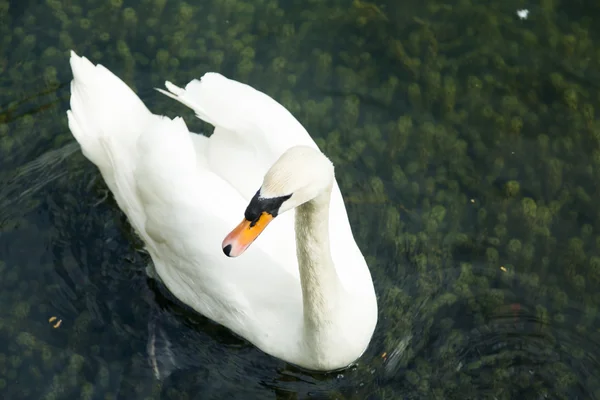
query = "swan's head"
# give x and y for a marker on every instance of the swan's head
(300, 175)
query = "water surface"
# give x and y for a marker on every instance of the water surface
(466, 144)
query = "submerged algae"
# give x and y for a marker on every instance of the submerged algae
(464, 138)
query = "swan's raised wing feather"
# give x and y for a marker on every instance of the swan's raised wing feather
(251, 129)
(238, 107)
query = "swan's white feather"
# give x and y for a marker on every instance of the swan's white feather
(184, 192)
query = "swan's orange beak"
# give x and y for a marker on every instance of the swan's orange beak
(244, 234)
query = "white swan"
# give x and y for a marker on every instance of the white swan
(302, 292)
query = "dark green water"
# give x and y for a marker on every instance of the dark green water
(467, 147)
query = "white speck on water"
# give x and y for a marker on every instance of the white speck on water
(523, 14)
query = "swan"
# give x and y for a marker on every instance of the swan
(289, 277)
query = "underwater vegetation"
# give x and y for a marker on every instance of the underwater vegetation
(465, 140)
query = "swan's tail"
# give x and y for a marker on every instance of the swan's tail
(107, 119)
(138, 153)
(103, 107)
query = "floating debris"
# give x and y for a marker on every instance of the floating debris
(55, 324)
(160, 352)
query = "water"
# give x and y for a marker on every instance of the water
(466, 143)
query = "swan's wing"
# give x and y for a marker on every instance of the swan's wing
(251, 129)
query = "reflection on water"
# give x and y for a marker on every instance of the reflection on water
(465, 141)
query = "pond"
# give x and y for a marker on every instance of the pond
(467, 148)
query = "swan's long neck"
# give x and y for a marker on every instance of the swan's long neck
(320, 283)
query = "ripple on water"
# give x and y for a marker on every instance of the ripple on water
(504, 341)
